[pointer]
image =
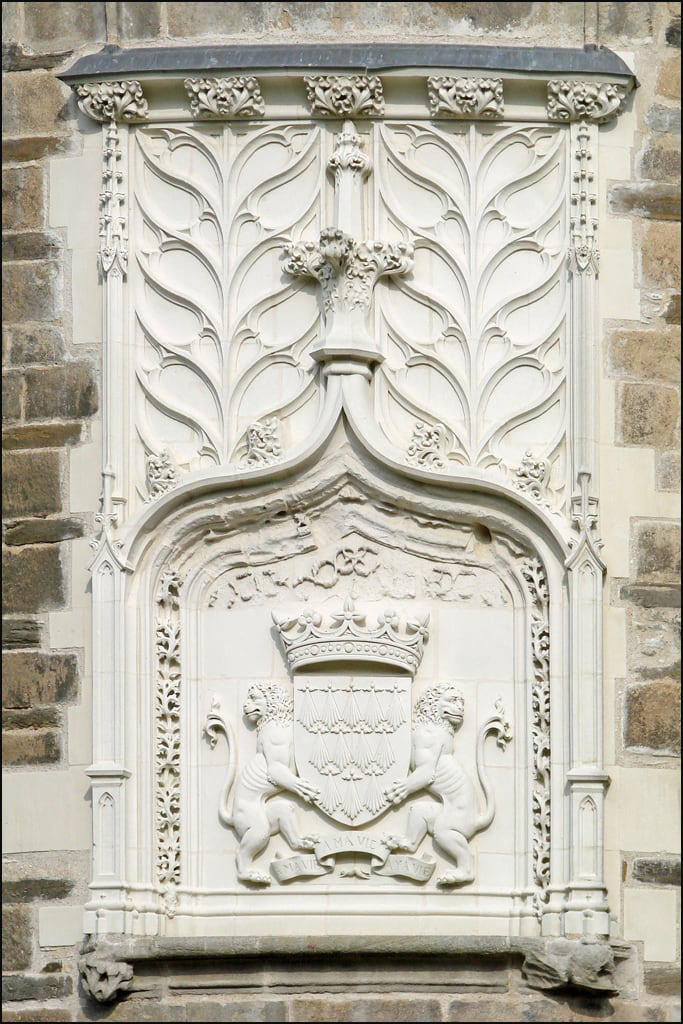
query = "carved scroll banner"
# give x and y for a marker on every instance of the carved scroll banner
(379, 860)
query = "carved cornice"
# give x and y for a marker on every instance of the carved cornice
(465, 97)
(345, 95)
(315, 637)
(585, 101)
(236, 96)
(112, 101)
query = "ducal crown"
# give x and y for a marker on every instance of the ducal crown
(309, 639)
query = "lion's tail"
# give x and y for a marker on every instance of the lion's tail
(216, 723)
(498, 725)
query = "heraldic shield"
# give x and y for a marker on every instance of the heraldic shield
(352, 740)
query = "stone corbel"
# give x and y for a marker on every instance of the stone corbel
(586, 966)
(104, 979)
(112, 101)
(465, 97)
(233, 97)
(585, 101)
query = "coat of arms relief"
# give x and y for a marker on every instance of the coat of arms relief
(348, 745)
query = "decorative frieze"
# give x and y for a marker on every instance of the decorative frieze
(465, 97)
(236, 96)
(589, 101)
(112, 101)
(345, 95)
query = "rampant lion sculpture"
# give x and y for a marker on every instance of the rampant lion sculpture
(254, 816)
(438, 714)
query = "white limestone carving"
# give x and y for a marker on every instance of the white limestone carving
(345, 95)
(162, 474)
(465, 97)
(439, 713)
(584, 255)
(590, 101)
(427, 445)
(167, 740)
(312, 637)
(268, 773)
(235, 96)
(263, 442)
(532, 476)
(113, 252)
(112, 101)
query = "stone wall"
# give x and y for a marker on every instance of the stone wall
(51, 384)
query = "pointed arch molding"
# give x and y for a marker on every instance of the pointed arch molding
(349, 305)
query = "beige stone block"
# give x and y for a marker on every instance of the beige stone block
(648, 415)
(641, 810)
(43, 829)
(650, 917)
(669, 78)
(63, 26)
(645, 354)
(661, 256)
(60, 926)
(36, 103)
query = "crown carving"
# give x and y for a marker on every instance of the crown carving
(312, 637)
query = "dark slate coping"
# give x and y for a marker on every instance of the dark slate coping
(112, 60)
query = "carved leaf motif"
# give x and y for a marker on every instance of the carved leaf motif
(480, 325)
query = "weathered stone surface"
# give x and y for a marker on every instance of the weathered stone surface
(23, 198)
(30, 245)
(620, 21)
(316, 1008)
(661, 256)
(36, 986)
(36, 103)
(43, 531)
(669, 80)
(16, 938)
(225, 19)
(31, 718)
(26, 890)
(672, 313)
(12, 395)
(34, 147)
(31, 746)
(44, 435)
(647, 415)
(673, 33)
(668, 471)
(33, 343)
(51, 1014)
(32, 483)
(654, 648)
(646, 199)
(660, 162)
(32, 579)
(16, 58)
(32, 291)
(32, 679)
(653, 711)
(652, 354)
(664, 119)
(651, 597)
(663, 981)
(139, 20)
(238, 1010)
(657, 870)
(656, 551)
(21, 633)
(64, 26)
(67, 391)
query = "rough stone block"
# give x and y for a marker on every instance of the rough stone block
(43, 531)
(410, 1008)
(654, 642)
(35, 1016)
(36, 986)
(21, 633)
(32, 291)
(254, 1009)
(653, 354)
(31, 718)
(657, 870)
(660, 162)
(30, 245)
(672, 312)
(17, 938)
(33, 679)
(673, 33)
(647, 415)
(12, 395)
(668, 471)
(36, 103)
(653, 713)
(43, 435)
(669, 80)
(64, 26)
(661, 255)
(27, 890)
(33, 343)
(618, 22)
(32, 483)
(31, 746)
(23, 199)
(663, 981)
(664, 119)
(656, 551)
(16, 58)
(139, 20)
(35, 147)
(32, 579)
(67, 392)
(651, 597)
(221, 19)
(646, 199)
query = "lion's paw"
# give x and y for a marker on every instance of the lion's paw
(454, 878)
(395, 842)
(255, 878)
(309, 842)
